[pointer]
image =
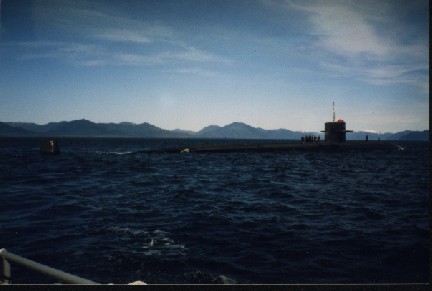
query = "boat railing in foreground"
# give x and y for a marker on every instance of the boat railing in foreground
(60, 275)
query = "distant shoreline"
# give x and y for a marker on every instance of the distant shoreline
(236, 130)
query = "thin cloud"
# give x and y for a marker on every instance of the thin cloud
(384, 74)
(98, 54)
(196, 71)
(124, 35)
(343, 30)
(181, 55)
(92, 22)
(90, 37)
(194, 55)
(75, 53)
(350, 32)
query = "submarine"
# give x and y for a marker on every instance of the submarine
(335, 140)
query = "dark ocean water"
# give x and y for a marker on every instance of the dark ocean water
(107, 212)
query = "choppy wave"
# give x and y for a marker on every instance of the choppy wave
(105, 211)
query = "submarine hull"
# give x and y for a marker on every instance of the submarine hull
(272, 147)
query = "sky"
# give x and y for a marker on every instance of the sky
(187, 64)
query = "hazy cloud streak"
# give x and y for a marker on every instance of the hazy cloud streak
(102, 37)
(349, 32)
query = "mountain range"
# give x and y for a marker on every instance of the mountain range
(235, 130)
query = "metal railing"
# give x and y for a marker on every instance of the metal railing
(60, 275)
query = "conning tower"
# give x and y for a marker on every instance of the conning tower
(335, 131)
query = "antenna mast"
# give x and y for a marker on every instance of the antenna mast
(334, 113)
